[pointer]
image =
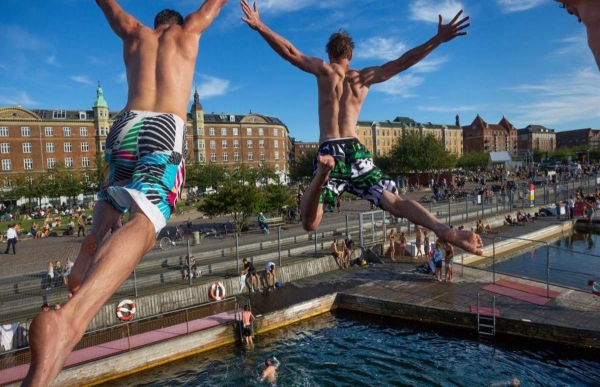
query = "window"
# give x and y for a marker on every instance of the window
(213, 144)
(29, 179)
(7, 182)
(211, 131)
(276, 144)
(6, 165)
(235, 132)
(236, 144)
(274, 132)
(236, 156)
(102, 146)
(68, 162)
(5, 148)
(261, 156)
(50, 147)
(249, 131)
(67, 131)
(85, 162)
(213, 157)
(261, 143)
(223, 131)
(26, 147)
(261, 132)
(83, 132)
(51, 163)
(277, 167)
(250, 156)
(201, 158)
(68, 147)
(3, 131)
(85, 146)
(225, 157)
(25, 131)
(276, 156)
(200, 131)
(231, 118)
(200, 144)
(86, 178)
(249, 143)
(58, 114)
(82, 116)
(49, 131)
(223, 144)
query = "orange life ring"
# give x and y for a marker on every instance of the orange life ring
(217, 291)
(126, 310)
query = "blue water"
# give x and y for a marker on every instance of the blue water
(353, 349)
(574, 259)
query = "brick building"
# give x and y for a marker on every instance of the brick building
(35, 141)
(301, 148)
(536, 138)
(579, 137)
(481, 136)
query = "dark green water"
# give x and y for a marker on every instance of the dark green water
(353, 349)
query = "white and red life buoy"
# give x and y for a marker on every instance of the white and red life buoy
(217, 291)
(126, 310)
(593, 284)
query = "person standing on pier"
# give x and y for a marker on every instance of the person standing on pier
(146, 153)
(343, 163)
(588, 13)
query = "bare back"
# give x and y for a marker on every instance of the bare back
(160, 69)
(341, 95)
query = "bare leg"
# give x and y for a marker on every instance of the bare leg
(54, 334)
(417, 214)
(311, 209)
(105, 216)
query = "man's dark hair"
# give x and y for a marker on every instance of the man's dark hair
(168, 16)
(246, 307)
(340, 45)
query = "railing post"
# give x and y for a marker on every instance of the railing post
(134, 283)
(279, 244)
(547, 270)
(449, 210)
(373, 229)
(497, 208)
(384, 226)
(347, 222)
(237, 251)
(494, 260)
(128, 337)
(360, 229)
(467, 206)
(190, 275)
(315, 243)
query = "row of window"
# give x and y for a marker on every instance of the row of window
(49, 131)
(50, 163)
(236, 156)
(67, 146)
(235, 132)
(236, 144)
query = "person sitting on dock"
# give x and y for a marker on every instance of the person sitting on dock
(337, 255)
(247, 319)
(269, 371)
(251, 270)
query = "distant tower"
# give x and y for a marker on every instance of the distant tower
(457, 121)
(101, 119)
(197, 112)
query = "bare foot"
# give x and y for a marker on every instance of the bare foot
(82, 262)
(466, 240)
(51, 339)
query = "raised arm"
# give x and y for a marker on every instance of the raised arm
(446, 32)
(197, 22)
(282, 46)
(120, 21)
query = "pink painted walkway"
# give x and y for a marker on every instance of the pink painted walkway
(11, 375)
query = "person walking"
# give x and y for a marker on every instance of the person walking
(438, 257)
(146, 173)
(11, 239)
(393, 244)
(81, 225)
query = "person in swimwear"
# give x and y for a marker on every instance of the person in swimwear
(247, 318)
(588, 13)
(145, 150)
(402, 243)
(269, 371)
(393, 244)
(343, 163)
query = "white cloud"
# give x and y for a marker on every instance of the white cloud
(429, 65)
(450, 109)
(280, 6)
(211, 87)
(428, 10)
(561, 99)
(518, 5)
(379, 48)
(572, 45)
(122, 78)
(12, 96)
(18, 37)
(81, 79)
(51, 60)
(400, 85)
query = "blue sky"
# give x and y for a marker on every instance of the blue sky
(525, 59)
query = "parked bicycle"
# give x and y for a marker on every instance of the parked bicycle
(292, 215)
(169, 241)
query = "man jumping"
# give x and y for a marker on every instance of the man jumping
(145, 150)
(588, 12)
(343, 163)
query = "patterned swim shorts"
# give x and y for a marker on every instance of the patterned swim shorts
(354, 172)
(145, 152)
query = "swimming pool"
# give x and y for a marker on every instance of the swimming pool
(353, 349)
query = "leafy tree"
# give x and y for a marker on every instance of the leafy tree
(406, 153)
(204, 176)
(302, 170)
(473, 160)
(241, 201)
(277, 197)
(386, 164)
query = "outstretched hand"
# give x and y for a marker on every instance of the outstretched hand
(252, 18)
(447, 32)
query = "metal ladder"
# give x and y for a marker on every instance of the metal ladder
(486, 325)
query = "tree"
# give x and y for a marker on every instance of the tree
(302, 170)
(406, 153)
(473, 160)
(204, 176)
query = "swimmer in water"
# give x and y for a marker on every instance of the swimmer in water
(269, 371)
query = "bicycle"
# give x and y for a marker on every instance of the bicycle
(167, 242)
(212, 233)
(291, 216)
